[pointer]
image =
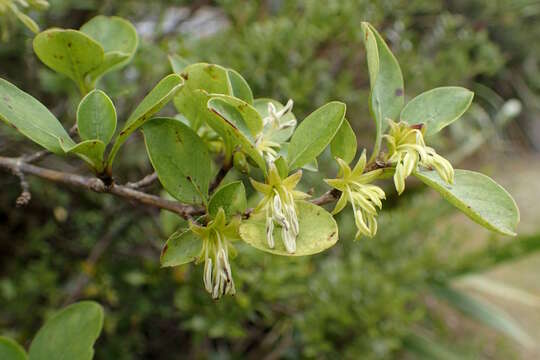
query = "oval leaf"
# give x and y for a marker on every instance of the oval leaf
(242, 115)
(344, 144)
(231, 197)
(239, 86)
(69, 52)
(32, 119)
(437, 108)
(386, 82)
(318, 231)
(160, 95)
(180, 159)
(92, 152)
(478, 197)
(315, 133)
(118, 38)
(70, 334)
(96, 117)
(10, 350)
(181, 248)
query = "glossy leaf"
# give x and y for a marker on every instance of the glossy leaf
(230, 121)
(280, 136)
(181, 248)
(478, 197)
(11, 350)
(318, 231)
(118, 38)
(180, 159)
(70, 334)
(157, 98)
(69, 52)
(315, 133)
(231, 197)
(483, 312)
(344, 143)
(239, 87)
(96, 117)
(386, 81)
(178, 63)
(437, 108)
(32, 119)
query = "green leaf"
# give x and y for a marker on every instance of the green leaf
(437, 108)
(318, 231)
(156, 99)
(180, 159)
(230, 197)
(200, 80)
(278, 136)
(315, 133)
(239, 86)
(344, 144)
(478, 197)
(118, 38)
(282, 167)
(231, 122)
(386, 81)
(11, 350)
(96, 117)
(242, 115)
(484, 312)
(32, 119)
(181, 248)
(70, 334)
(91, 151)
(69, 52)
(178, 64)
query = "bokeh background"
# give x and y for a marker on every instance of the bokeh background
(432, 284)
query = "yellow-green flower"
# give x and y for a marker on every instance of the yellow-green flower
(279, 204)
(272, 123)
(217, 236)
(356, 188)
(407, 150)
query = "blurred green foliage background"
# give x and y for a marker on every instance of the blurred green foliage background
(389, 297)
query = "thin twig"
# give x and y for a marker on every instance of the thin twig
(144, 182)
(97, 185)
(25, 196)
(327, 197)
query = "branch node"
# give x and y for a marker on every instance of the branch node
(97, 185)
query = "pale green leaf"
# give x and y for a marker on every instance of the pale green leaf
(118, 38)
(315, 133)
(70, 334)
(96, 117)
(239, 86)
(318, 231)
(178, 64)
(156, 99)
(69, 52)
(344, 144)
(91, 151)
(180, 159)
(478, 197)
(11, 350)
(32, 119)
(437, 108)
(231, 197)
(181, 248)
(386, 82)
(242, 115)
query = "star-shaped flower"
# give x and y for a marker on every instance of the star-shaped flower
(356, 188)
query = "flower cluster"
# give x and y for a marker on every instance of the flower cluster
(407, 150)
(217, 237)
(356, 188)
(279, 205)
(272, 124)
